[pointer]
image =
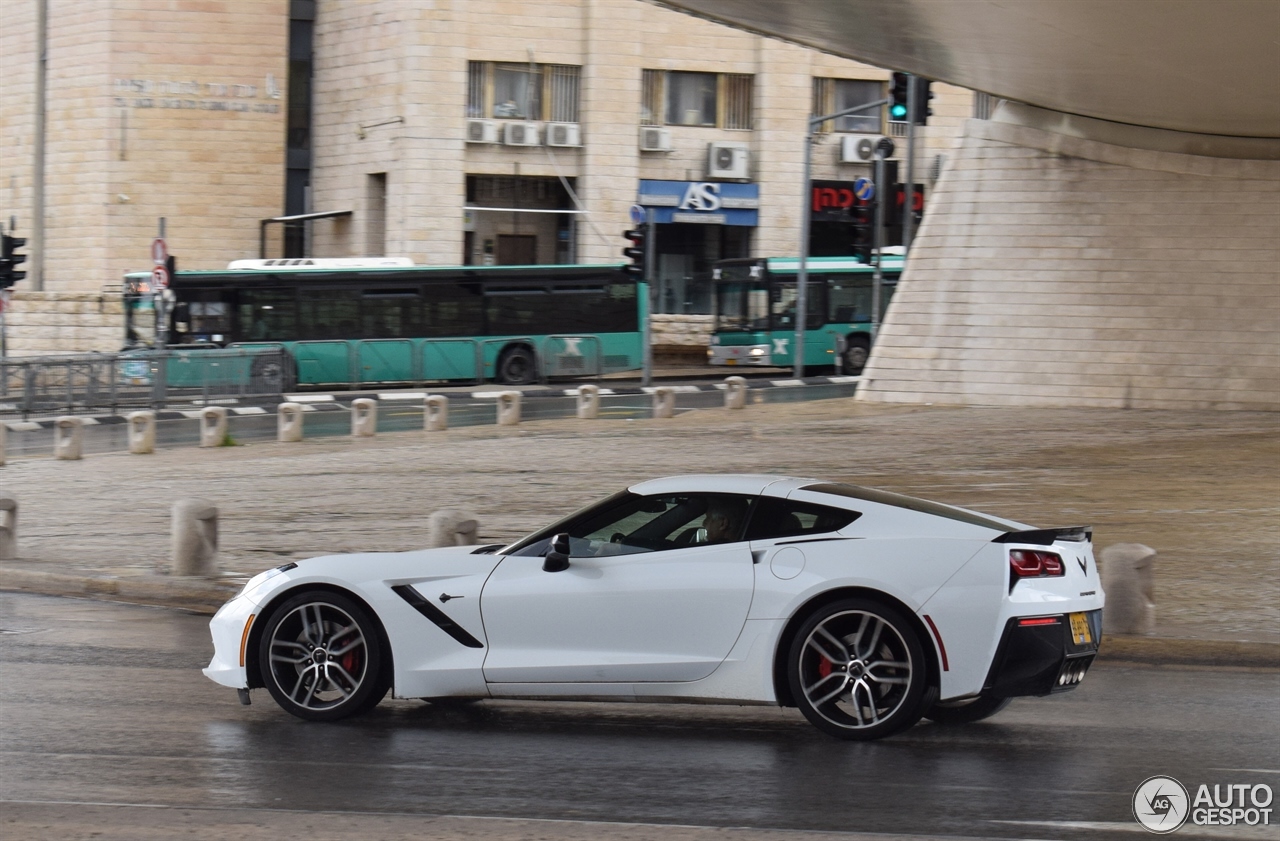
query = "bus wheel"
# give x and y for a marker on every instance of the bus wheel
(272, 371)
(516, 367)
(856, 354)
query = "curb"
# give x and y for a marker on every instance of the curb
(199, 595)
(195, 594)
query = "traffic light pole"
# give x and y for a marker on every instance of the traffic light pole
(647, 350)
(909, 189)
(802, 271)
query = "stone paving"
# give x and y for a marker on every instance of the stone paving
(1202, 488)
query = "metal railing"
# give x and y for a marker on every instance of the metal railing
(94, 383)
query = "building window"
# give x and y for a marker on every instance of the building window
(834, 95)
(523, 91)
(710, 100)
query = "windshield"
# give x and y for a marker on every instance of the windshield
(742, 300)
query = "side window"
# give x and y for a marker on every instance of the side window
(774, 517)
(652, 524)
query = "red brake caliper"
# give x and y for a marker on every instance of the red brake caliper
(824, 667)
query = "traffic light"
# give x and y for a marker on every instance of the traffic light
(635, 253)
(898, 97)
(10, 260)
(920, 115)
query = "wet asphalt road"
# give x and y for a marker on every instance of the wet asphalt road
(104, 704)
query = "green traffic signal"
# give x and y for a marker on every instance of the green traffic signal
(898, 112)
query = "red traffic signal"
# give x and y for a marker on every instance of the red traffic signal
(634, 253)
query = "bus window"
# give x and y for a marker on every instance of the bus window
(210, 320)
(453, 309)
(850, 301)
(389, 313)
(783, 305)
(741, 306)
(268, 315)
(328, 314)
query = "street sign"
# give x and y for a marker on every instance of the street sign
(638, 214)
(159, 253)
(864, 189)
(160, 278)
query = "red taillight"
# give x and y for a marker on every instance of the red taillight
(1032, 563)
(1039, 620)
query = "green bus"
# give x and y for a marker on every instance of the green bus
(330, 322)
(755, 309)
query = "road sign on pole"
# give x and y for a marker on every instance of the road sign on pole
(864, 189)
(159, 253)
(160, 278)
(638, 215)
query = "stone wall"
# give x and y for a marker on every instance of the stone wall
(39, 323)
(1057, 270)
(682, 338)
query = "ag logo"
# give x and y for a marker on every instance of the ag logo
(1161, 804)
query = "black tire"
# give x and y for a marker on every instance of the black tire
(857, 670)
(273, 371)
(328, 658)
(516, 366)
(856, 353)
(966, 712)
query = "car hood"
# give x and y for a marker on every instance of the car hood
(364, 570)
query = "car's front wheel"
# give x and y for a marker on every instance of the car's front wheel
(321, 657)
(857, 670)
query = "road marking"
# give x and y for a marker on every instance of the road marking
(404, 395)
(1235, 832)
(248, 410)
(309, 398)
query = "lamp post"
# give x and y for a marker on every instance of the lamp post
(802, 273)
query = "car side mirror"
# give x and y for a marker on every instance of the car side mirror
(557, 557)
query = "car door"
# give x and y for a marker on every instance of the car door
(651, 594)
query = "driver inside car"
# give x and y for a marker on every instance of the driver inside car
(723, 520)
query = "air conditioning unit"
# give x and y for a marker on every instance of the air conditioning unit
(655, 139)
(520, 134)
(727, 160)
(482, 131)
(564, 134)
(858, 148)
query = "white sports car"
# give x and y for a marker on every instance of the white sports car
(865, 609)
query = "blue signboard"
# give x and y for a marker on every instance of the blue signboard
(702, 202)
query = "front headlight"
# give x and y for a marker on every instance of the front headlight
(757, 351)
(265, 576)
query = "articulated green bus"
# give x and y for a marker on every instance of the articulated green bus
(318, 322)
(755, 306)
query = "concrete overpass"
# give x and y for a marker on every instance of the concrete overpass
(1112, 236)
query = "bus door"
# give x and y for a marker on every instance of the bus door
(783, 295)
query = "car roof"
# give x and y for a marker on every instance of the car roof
(740, 483)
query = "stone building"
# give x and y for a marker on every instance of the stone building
(449, 132)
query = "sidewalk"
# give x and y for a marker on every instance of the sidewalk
(1202, 488)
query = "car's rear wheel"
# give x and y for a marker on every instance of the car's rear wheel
(966, 712)
(321, 657)
(857, 670)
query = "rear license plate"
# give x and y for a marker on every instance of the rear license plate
(731, 362)
(1080, 629)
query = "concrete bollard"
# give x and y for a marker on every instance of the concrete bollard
(451, 527)
(735, 392)
(664, 402)
(142, 432)
(195, 537)
(8, 528)
(589, 402)
(364, 417)
(1129, 579)
(213, 426)
(509, 408)
(435, 413)
(289, 423)
(68, 438)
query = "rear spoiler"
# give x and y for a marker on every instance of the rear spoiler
(1046, 537)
